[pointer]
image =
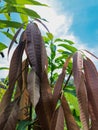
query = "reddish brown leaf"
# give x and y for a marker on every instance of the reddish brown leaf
(14, 38)
(81, 89)
(23, 93)
(44, 108)
(15, 69)
(33, 87)
(13, 118)
(35, 48)
(70, 121)
(8, 118)
(59, 83)
(57, 122)
(91, 76)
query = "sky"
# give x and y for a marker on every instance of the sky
(76, 20)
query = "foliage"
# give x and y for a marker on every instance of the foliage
(29, 88)
(39, 92)
(9, 9)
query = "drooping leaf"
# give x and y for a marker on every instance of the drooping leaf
(70, 121)
(91, 76)
(12, 119)
(8, 118)
(15, 36)
(44, 108)
(59, 83)
(57, 122)
(35, 49)
(23, 92)
(15, 65)
(33, 87)
(81, 89)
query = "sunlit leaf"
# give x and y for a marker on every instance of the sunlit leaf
(2, 46)
(7, 23)
(68, 47)
(23, 2)
(23, 10)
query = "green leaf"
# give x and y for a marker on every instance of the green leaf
(23, 125)
(23, 2)
(69, 41)
(64, 40)
(73, 102)
(24, 18)
(7, 23)
(2, 46)
(19, 9)
(4, 68)
(50, 36)
(68, 47)
(9, 35)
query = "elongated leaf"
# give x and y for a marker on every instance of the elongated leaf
(24, 101)
(33, 88)
(7, 23)
(23, 2)
(8, 118)
(44, 108)
(91, 76)
(70, 121)
(81, 89)
(59, 83)
(14, 38)
(9, 35)
(57, 122)
(12, 119)
(35, 49)
(68, 47)
(22, 10)
(15, 64)
(4, 68)
(64, 40)
(2, 46)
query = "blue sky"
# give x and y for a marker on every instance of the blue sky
(85, 19)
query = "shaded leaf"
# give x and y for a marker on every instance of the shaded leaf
(8, 118)
(33, 87)
(12, 119)
(57, 122)
(44, 108)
